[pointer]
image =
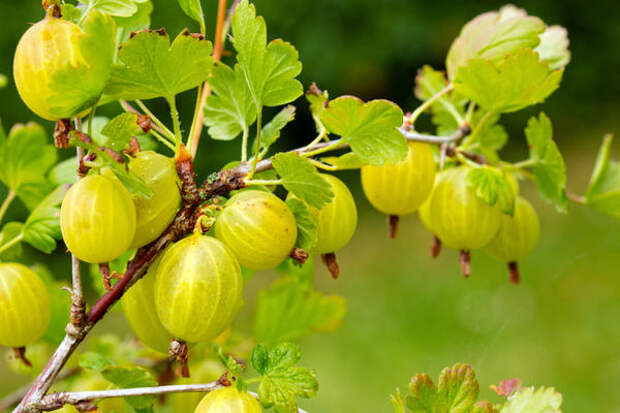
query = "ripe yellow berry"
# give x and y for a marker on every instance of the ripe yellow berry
(228, 399)
(98, 219)
(400, 188)
(258, 227)
(25, 307)
(154, 214)
(198, 289)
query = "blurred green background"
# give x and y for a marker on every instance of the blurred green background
(408, 313)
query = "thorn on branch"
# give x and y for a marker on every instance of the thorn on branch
(465, 261)
(104, 269)
(299, 255)
(178, 352)
(61, 133)
(20, 354)
(513, 268)
(330, 262)
(435, 247)
(393, 223)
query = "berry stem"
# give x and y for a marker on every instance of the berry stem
(330, 262)
(465, 261)
(393, 223)
(20, 354)
(435, 247)
(514, 272)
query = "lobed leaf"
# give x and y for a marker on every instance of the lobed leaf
(271, 131)
(120, 130)
(349, 160)
(10, 231)
(151, 67)
(42, 228)
(300, 178)
(549, 169)
(371, 129)
(492, 187)
(531, 400)
(307, 234)
(603, 192)
(519, 81)
(193, 8)
(131, 377)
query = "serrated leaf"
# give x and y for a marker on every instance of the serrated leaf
(349, 160)
(71, 13)
(492, 187)
(603, 192)
(25, 156)
(120, 130)
(130, 377)
(140, 20)
(493, 36)
(94, 361)
(300, 177)
(371, 129)
(271, 131)
(290, 310)
(281, 380)
(151, 67)
(230, 108)
(11, 231)
(318, 99)
(269, 70)
(531, 400)
(42, 228)
(423, 397)
(307, 234)
(518, 81)
(193, 8)
(429, 82)
(549, 169)
(97, 47)
(398, 403)
(260, 358)
(553, 47)
(489, 138)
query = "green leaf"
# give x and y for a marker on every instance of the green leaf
(269, 70)
(271, 131)
(300, 177)
(120, 8)
(71, 13)
(3, 81)
(304, 273)
(10, 231)
(398, 403)
(493, 36)
(549, 168)
(230, 108)
(457, 391)
(318, 101)
(518, 81)
(490, 137)
(94, 361)
(553, 47)
(349, 160)
(531, 400)
(97, 47)
(64, 172)
(130, 377)
(290, 310)
(120, 130)
(140, 20)
(429, 82)
(370, 128)
(603, 193)
(193, 9)
(25, 156)
(150, 67)
(281, 380)
(484, 407)
(60, 305)
(42, 228)
(492, 187)
(307, 234)
(32, 193)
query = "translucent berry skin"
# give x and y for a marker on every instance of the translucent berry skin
(336, 221)
(400, 188)
(228, 400)
(154, 214)
(258, 227)
(198, 289)
(25, 307)
(517, 235)
(457, 216)
(50, 50)
(98, 219)
(144, 323)
(424, 212)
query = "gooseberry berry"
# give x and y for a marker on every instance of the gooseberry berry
(258, 227)
(400, 188)
(228, 399)
(198, 288)
(154, 214)
(138, 303)
(458, 217)
(98, 219)
(55, 50)
(25, 307)
(516, 237)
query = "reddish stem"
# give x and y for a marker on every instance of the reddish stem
(393, 222)
(465, 261)
(514, 272)
(330, 262)
(435, 247)
(20, 354)
(178, 352)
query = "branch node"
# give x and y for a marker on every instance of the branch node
(61, 133)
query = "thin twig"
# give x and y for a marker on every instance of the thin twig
(14, 398)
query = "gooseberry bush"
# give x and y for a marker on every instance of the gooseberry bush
(176, 251)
